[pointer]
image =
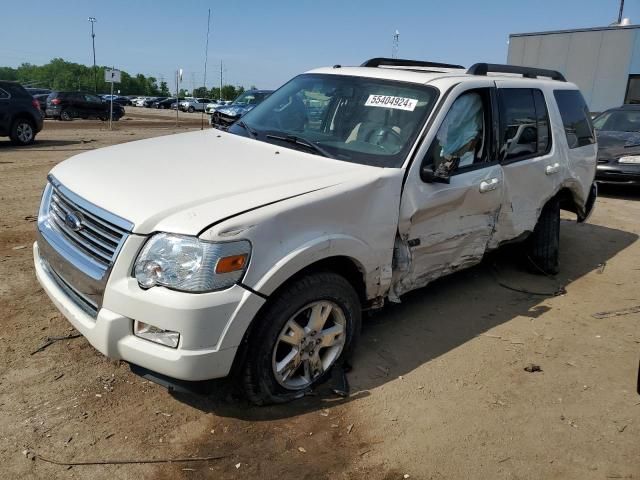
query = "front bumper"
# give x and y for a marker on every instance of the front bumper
(211, 325)
(625, 174)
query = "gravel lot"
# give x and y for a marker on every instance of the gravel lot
(438, 388)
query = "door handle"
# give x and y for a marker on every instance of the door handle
(489, 185)
(551, 169)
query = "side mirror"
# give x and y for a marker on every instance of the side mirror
(428, 175)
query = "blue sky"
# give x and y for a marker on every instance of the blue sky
(264, 43)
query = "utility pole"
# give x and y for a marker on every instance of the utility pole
(396, 44)
(93, 20)
(206, 53)
(620, 12)
(220, 80)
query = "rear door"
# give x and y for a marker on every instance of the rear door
(5, 117)
(533, 167)
(447, 226)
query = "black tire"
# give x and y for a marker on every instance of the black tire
(543, 245)
(22, 132)
(258, 379)
(191, 109)
(66, 115)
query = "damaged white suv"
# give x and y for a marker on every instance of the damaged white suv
(254, 251)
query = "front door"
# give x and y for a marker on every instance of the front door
(447, 226)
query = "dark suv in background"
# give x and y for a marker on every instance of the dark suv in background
(20, 116)
(70, 105)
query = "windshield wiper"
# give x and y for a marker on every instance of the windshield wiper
(303, 143)
(251, 132)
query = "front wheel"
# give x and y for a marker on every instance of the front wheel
(543, 245)
(307, 329)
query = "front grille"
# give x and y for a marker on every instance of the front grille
(78, 298)
(96, 237)
(79, 242)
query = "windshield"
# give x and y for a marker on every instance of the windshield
(249, 98)
(618, 121)
(362, 120)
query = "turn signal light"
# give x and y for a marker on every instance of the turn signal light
(231, 264)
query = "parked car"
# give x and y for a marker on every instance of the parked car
(139, 102)
(194, 105)
(123, 101)
(222, 117)
(185, 99)
(166, 103)
(70, 105)
(37, 91)
(41, 98)
(262, 250)
(210, 107)
(618, 132)
(148, 103)
(20, 116)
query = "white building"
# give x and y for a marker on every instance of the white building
(604, 62)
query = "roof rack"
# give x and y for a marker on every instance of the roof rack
(399, 62)
(527, 72)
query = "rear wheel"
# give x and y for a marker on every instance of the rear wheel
(22, 132)
(543, 245)
(307, 329)
(66, 115)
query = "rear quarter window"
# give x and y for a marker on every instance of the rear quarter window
(15, 90)
(575, 118)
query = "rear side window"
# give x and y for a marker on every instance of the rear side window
(3, 94)
(524, 124)
(575, 118)
(15, 90)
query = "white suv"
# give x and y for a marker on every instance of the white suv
(258, 248)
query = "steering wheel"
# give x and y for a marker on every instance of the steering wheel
(382, 133)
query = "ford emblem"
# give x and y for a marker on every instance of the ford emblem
(73, 220)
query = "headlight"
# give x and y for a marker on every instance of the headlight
(228, 111)
(630, 159)
(189, 264)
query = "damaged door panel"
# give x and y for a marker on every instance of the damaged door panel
(532, 170)
(450, 219)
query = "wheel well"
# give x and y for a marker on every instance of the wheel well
(341, 265)
(20, 116)
(567, 201)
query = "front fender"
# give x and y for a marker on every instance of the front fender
(312, 252)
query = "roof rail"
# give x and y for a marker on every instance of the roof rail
(399, 62)
(527, 72)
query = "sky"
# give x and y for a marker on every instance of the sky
(266, 43)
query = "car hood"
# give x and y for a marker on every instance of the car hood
(612, 145)
(186, 182)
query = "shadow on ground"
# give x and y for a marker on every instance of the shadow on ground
(623, 192)
(438, 318)
(47, 145)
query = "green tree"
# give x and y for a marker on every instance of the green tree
(200, 92)
(164, 89)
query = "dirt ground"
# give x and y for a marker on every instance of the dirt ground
(438, 386)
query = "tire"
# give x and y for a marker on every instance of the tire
(66, 116)
(22, 132)
(543, 245)
(309, 364)
(191, 109)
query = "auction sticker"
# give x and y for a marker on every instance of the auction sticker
(388, 101)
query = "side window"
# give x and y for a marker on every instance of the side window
(462, 139)
(575, 118)
(524, 124)
(3, 94)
